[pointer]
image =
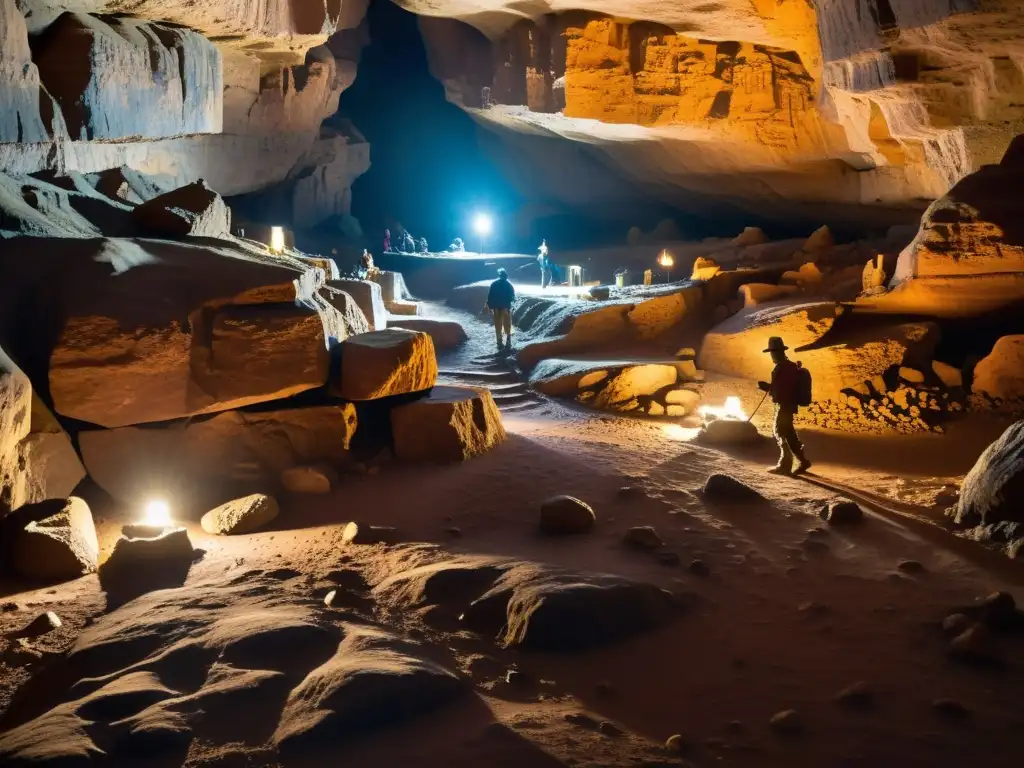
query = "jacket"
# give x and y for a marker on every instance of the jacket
(785, 385)
(501, 295)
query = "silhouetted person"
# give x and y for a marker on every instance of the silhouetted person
(785, 391)
(544, 262)
(423, 246)
(409, 246)
(499, 301)
(387, 241)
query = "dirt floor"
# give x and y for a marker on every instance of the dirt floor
(790, 613)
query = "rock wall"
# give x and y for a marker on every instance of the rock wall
(843, 110)
(234, 95)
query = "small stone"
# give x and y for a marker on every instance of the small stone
(361, 533)
(668, 558)
(957, 623)
(9, 607)
(857, 696)
(911, 566)
(454, 532)
(643, 537)
(976, 646)
(699, 568)
(677, 743)
(41, 624)
(951, 708)
(566, 515)
(788, 721)
(331, 598)
(842, 513)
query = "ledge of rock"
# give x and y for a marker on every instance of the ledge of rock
(445, 333)
(448, 424)
(367, 296)
(194, 209)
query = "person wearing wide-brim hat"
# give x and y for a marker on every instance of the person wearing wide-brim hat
(784, 389)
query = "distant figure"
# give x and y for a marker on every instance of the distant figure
(499, 301)
(544, 262)
(873, 277)
(367, 268)
(423, 247)
(789, 380)
(409, 245)
(457, 246)
(387, 241)
(485, 97)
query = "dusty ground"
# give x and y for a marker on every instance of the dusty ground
(791, 613)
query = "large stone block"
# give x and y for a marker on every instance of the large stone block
(385, 363)
(1000, 374)
(194, 209)
(140, 331)
(367, 295)
(445, 333)
(449, 424)
(351, 320)
(122, 77)
(234, 451)
(57, 542)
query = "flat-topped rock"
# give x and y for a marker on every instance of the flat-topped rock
(449, 424)
(194, 210)
(445, 333)
(239, 516)
(367, 296)
(386, 363)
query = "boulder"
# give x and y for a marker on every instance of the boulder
(755, 294)
(386, 363)
(643, 537)
(444, 333)
(842, 513)
(193, 210)
(367, 295)
(993, 491)
(808, 276)
(686, 398)
(57, 543)
(562, 515)
(449, 424)
(50, 465)
(564, 378)
(405, 308)
(317, 479)
(231, 452)
(727, 488)
(820, 240)
(1000, 375)
(371, 681)
(171, 546)
(950, 377)
(238, 516)
(725, 431)
(750, 236)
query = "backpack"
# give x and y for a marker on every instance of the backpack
(804, 385)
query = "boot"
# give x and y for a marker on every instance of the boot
(781, 469)
(802, 466)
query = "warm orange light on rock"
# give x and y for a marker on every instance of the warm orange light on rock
(665, 260)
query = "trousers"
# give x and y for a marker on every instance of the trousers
(503, 323)
(787, 438)
(545, 278)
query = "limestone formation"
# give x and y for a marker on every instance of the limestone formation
(386, 363)
(239, 516)
(27, 112)
(993, 490)
(368, 298)
(448, 424)
(561, 515)
(446, 334)
(234, 450)
(1000, 375)
(57, 542)
(194, 210)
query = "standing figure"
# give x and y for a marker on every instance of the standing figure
(499, 300)
(366, 266)
(457, 246)
(544, 262)
(423, 247)
(409, 246)
(785, 388)
(387, 241)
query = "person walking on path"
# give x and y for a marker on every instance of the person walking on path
(499, 300)
(785, 391)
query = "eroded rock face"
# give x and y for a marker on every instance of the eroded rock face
(230, 450)
(58, 541)
(367, 296)
(993, 489)
(194, 209)
(238, 516)
(999, 375)
(27, 111)
(794, 84)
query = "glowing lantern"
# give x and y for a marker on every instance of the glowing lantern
(666, 262)
(277, 239)
(156, 513)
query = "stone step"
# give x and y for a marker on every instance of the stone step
(522, 405)
(513, 397)
(462, 374)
